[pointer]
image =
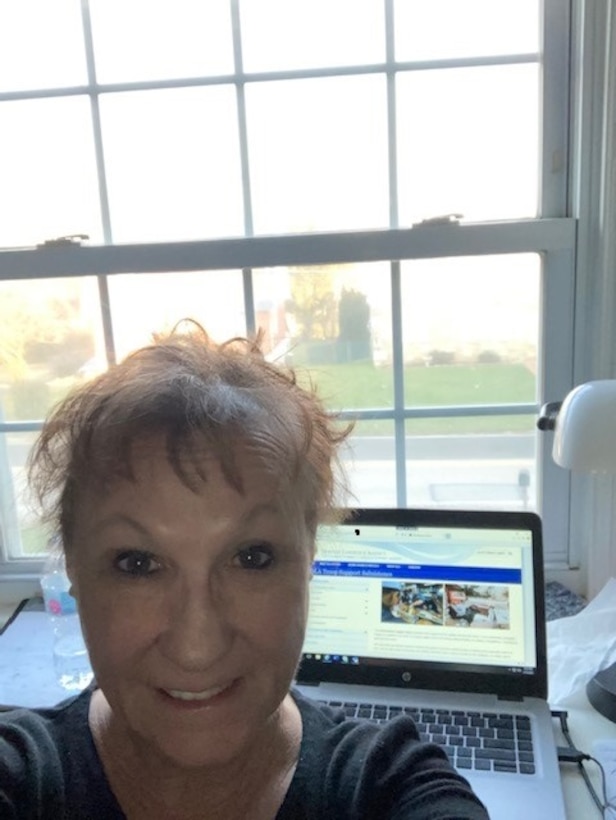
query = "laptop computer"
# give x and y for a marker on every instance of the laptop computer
(440, 613)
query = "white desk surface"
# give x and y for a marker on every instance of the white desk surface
(6, 610)
(586, 726)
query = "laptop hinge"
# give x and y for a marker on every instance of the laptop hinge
(514, 698)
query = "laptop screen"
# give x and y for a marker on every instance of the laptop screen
(410, 597)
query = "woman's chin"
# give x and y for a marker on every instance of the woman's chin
(192, 734)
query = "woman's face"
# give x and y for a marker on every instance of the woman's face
(193, 605)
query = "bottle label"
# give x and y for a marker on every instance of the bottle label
(61, 604)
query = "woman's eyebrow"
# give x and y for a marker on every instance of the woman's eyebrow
(263, 508)
(118, 519)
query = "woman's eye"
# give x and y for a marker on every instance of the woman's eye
(136, 562)
(255, 557)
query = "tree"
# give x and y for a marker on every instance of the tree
(312, 302)
(354, 337)
(16, 331)
(43, 329)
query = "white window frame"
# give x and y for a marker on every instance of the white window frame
(554, 236)
(592, 508)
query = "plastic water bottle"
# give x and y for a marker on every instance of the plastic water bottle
(70, 655)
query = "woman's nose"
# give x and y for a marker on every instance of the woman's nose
(197, 632)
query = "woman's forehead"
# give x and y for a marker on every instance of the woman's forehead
(196, 465)
(152, 469)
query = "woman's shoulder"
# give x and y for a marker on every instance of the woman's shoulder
(327, 729)
(29, 730)
(44, 754)
(362, 770)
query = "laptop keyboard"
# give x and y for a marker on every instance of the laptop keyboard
(488, 741)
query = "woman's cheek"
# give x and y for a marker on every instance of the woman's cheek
(119, 625)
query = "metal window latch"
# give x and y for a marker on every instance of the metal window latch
(441, 219)
(547, 415)
(70, 240)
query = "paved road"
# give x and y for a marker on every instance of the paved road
(440, 470)
(436, 448)
(455, 471)
(369, 448)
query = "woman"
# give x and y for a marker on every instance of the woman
(187, 484)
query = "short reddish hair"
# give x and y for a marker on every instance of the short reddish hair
(193, 392)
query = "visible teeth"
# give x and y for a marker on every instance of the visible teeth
(204, 695)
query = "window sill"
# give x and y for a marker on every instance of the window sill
(6, 610)
(14, 588)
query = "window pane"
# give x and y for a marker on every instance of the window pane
(172, 160)
(47, 167)
(369, 464)
(20, 529)
(468, 143)
(145, 40)
(318, 154)
(278, 35)
(478, 348)
(41, 45)
(212, 298)
(439, 29)
(449, 467)
(471, 332)
(49, 332)
(333, 323)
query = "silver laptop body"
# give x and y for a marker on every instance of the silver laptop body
(440, 613)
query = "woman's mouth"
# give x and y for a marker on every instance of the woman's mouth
(192, 699)
(204, 694)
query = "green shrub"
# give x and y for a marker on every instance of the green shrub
(30, 399)
(440, 357)
(489, 357)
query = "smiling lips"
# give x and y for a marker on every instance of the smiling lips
(204, 695)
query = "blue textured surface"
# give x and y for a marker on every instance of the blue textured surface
(560, 602)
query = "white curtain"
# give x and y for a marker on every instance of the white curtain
(593, 499)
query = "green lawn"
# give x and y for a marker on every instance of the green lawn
(360, 385)
(363, 386)
(34, 538)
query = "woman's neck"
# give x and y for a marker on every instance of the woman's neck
(146, 786)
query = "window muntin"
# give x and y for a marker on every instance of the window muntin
(318, 153)
(402, 210)
(393, 407)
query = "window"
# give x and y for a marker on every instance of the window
(384, 195)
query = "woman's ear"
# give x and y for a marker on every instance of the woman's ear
(313, 555)
(70, 572)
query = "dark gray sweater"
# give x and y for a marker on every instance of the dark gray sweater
(347, 770)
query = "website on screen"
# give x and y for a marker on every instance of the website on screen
(424, 594)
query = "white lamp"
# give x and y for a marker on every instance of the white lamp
(585, 441)
(585, 431)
